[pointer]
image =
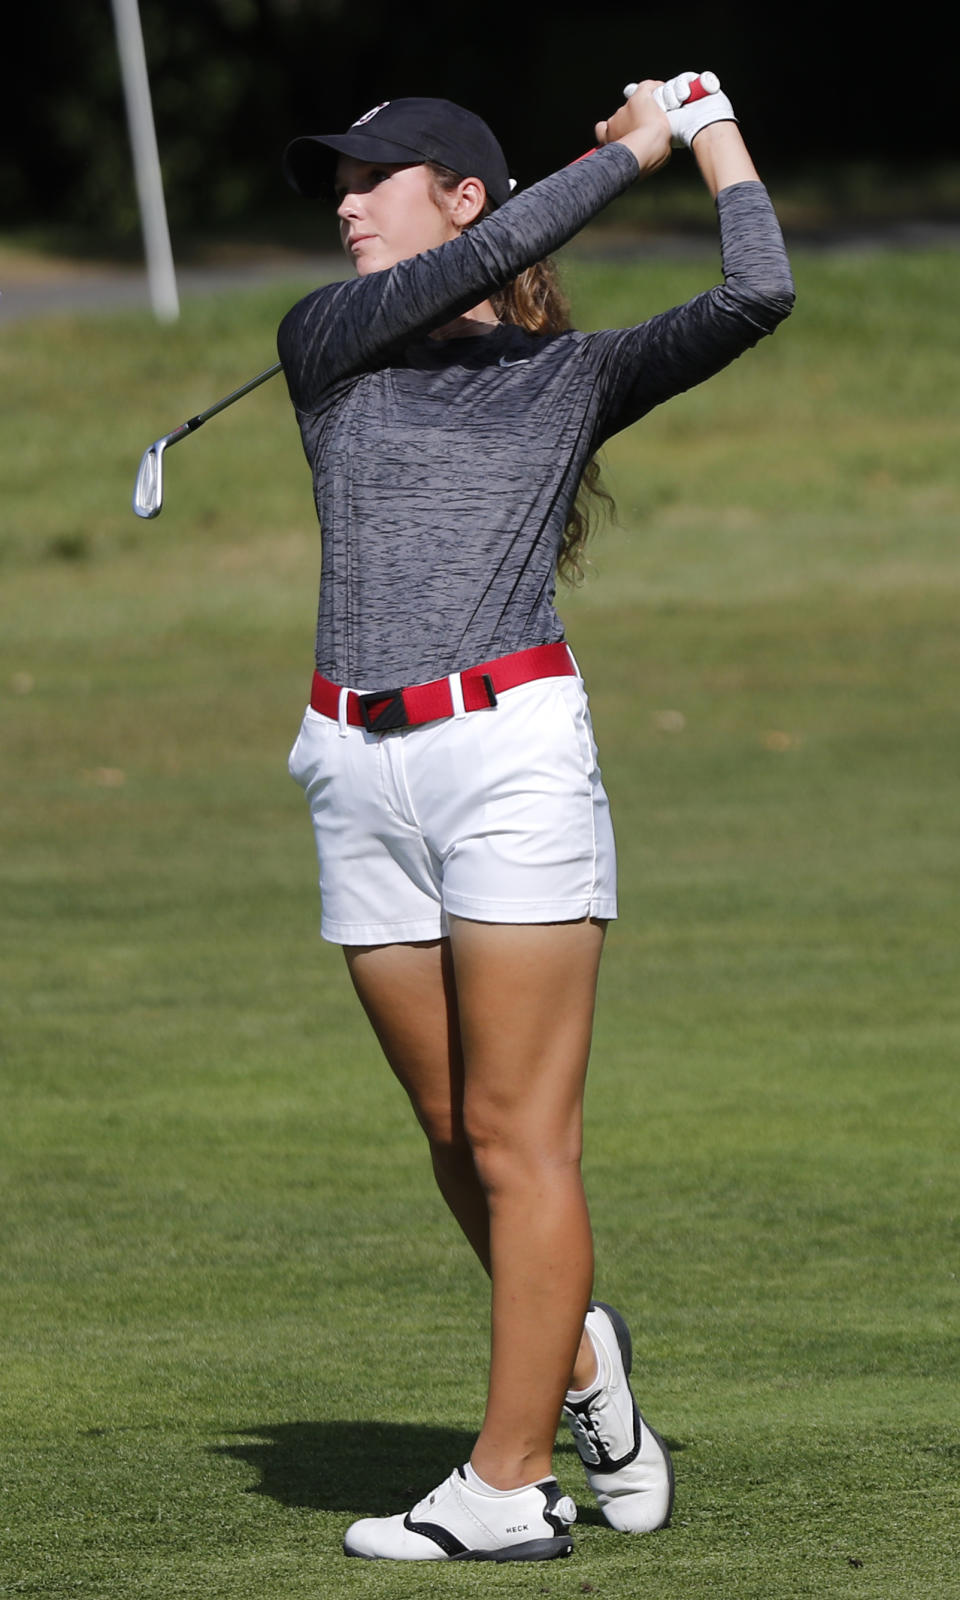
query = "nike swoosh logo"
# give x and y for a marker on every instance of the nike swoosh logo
(520, 361)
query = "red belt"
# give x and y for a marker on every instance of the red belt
(385, 709)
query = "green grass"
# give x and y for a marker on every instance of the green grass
(235, 1315)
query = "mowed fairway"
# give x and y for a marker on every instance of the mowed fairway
(235, 1314)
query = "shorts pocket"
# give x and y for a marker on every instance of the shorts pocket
(307, 748)
(573, 699)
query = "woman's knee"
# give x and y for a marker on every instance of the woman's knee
(511, 1152)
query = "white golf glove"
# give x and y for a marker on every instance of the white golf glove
(688, 118)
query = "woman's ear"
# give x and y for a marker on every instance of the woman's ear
(468, 201)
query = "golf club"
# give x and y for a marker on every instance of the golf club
(148, 489)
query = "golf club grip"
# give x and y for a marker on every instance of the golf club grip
(698, 88)
(698, 91)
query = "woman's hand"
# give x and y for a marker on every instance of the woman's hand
(642, 126)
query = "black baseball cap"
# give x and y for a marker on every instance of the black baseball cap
(409, 131)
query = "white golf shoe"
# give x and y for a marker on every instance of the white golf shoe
(628, 1465)
(460, 1523)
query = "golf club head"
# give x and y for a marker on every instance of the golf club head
(148, 489)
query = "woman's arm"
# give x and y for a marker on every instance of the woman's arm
(723, 158)
(639, 368)
(643, 366)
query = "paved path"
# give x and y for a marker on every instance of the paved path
(75, 289)
(66, 288)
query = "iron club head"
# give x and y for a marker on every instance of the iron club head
(148, 489)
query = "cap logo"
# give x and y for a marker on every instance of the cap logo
(367, 115)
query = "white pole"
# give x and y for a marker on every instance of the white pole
(161, 276)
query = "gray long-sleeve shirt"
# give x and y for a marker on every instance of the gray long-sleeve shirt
(444, 470)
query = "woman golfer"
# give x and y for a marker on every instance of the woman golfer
(449, 415)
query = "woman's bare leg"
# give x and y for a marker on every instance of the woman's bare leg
(526, 999)
(409, 995)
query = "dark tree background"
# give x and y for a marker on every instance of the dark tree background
(233, 80)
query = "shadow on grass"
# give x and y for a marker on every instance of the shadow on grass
(368, 1468)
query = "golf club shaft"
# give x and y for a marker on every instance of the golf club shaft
(195, 422)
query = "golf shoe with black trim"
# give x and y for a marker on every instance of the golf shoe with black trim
(628, 1465)
(458, 1522)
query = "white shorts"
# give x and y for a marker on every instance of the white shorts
(499, 816)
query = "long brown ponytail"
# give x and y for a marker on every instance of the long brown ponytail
(535, 301)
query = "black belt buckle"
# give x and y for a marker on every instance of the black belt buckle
(383, 710)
